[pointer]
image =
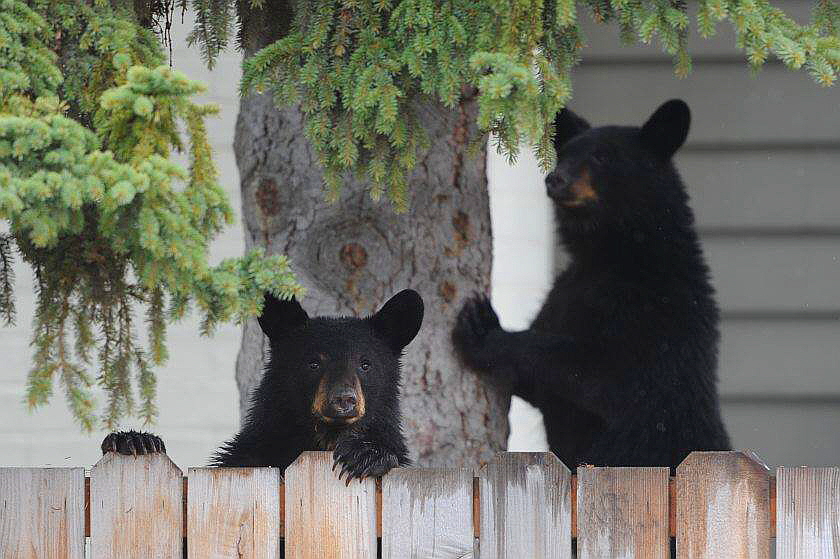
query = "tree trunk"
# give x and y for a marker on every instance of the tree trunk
(354, 254)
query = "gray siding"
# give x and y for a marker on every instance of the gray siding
(762, 164)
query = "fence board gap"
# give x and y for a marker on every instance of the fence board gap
(136, 507)
(723, 506)
(808, 513)
(326, 519)
(233, 513)
(42, 513)
(525, 507)
(427, 514)
(623, 512)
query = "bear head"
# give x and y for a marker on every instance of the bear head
(339, 371)
(619, 181)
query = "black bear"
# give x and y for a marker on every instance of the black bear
(622, 357)
(329, 384)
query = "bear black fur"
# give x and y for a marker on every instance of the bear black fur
(330, 384)
(622, 357)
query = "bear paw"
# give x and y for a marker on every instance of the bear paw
(133, 443)
(475, 322)
(361, 459)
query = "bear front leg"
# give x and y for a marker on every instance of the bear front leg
(484, 346)
(133, 443)
(366, 453)
(476, 332)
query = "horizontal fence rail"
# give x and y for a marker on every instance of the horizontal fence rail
(520, 505)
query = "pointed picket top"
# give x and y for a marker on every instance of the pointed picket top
(723, 506)
(326, 518)
(525, 507)
(158, 459)
(132, 497)
(42, 513)
(807, 513)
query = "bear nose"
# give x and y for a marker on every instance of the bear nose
(555, 181)
(343, 403)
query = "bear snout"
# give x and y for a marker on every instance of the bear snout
(555, 183)
(339, 401)
(342, 403)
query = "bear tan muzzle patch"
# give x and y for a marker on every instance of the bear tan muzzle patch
(320, 403)
(582, 191)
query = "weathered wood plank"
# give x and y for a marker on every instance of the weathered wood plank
(42, 513)
(326, 519)
(525, 507)
(723, 506)
(427, 514)
(623, 512)
(233, 513)
(807, 513)
(136, 508)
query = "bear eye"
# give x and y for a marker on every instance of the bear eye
(314, 365)
(365, 366)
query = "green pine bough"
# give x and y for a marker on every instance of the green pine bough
(89, 115)
(358, 67)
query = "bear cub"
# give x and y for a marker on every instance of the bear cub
(329, 384)
(621, 360)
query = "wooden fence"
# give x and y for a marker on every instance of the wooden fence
(520, 506)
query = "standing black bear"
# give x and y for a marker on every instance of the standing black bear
(330, 384)
(622, 357)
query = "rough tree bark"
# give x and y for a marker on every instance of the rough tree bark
(354, 254)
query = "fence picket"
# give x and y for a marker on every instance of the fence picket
(233, 513)
(723, 506)
(136, 507)
(808, 513)
(623, 512)
(427, 514)
(324, 518)
(42, 513)
(525, 507)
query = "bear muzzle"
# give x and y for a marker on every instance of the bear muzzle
(571, 192)
(340, 402)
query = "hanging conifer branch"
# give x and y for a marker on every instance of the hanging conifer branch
(358, 68)
(95, 206)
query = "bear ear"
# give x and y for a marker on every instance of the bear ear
(278, 316)
(666, 130)
(399, 320)
(567, 125)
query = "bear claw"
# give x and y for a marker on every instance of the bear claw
(360, 461)
(475, 322)
(133, 443)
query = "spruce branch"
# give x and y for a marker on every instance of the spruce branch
(93, 203)
(364, 65)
